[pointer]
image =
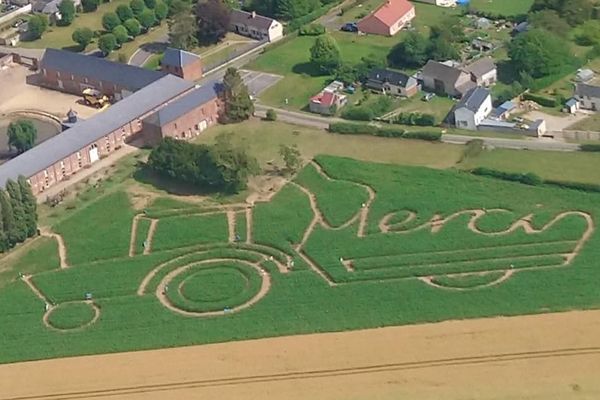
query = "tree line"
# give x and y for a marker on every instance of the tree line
(220, 167)
(18, 213)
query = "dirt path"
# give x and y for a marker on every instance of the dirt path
(542, 357)
(150, 237)
(62, 248)
(249, 226)
(132, 241)
(231, 225)
(161, 290)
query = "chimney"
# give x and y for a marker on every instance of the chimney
(253, 14)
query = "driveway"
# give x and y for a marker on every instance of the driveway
(555, 123)
(146, 51)
(258, 82)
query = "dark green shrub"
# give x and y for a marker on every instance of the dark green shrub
(541, 100)
(312, 30)
(525, 178)
(590, 147)
(428, 136)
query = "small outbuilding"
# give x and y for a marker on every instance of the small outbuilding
(182, 63)
(572, 105)
(584, 75)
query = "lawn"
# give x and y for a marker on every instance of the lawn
(384, 259)
(503, 7)
(591, 123)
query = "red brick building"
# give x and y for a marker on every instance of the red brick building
(72, 73)
(182, 63)
(186, 117)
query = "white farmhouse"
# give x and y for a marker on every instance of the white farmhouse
(255, 26)
(473, 108)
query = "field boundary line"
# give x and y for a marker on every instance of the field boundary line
(150, 236)
(62, 248)
(133, 236)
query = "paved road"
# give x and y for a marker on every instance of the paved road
(36, 53)
(142, 54)
(315, 121)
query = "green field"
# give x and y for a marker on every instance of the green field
(503, 7)
(326, 253)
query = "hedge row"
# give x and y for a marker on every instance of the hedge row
(295, 24)
(312, 30)
(590, 147)
(534, 180)
(541, 100)
(526, 178)
(364, 129)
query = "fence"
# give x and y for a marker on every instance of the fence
(579, 135)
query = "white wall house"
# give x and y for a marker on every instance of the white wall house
(474, 107)
(255, 26)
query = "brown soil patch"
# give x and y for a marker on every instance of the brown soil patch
(544, 357)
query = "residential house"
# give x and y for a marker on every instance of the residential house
(483, 71)
(256, 26)
(181, 63)
(588, 96)
(392, 82)
(440, 3)
(584, 75)
(473, 108)
(445, 79)
(329, 100)
(388, 19)
(572, 105)
(50, 8)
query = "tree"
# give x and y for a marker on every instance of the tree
(124, 12)
(237, 103)
(441, 50)
(137, 6)
(147, 18)
(110, 20)
(213, 19)
(89, 5)
(538, 53)
(120, 33)
(67, 12)
(20, 226)
(291, 157)
(4, 244)
(161, 10)
(182, 31)
(178, 7)
(37, 25)
(8, 219)
(107, 43)
(575, 12)
(150, 4)
(588, 34)
(29, 205)
(233, 162)
(549, 20)
(412, 52)
(133, 27)
(325, 54)
(22, 135)
(82, 36)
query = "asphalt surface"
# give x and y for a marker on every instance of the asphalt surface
(315, 121)
(142, 54)
(258, 82)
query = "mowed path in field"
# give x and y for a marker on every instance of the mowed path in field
(552, 356)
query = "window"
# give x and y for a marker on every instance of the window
(79, 155)
(85, 80)
(58, 74)
(72, 77)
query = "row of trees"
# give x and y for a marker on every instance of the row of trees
(286, 9)
(205, 23)
(221, 167)
(18, 213)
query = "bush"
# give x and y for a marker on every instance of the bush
(586, 187)
(541, 100)
(526, 178)
(358, 113)
(110, 21)
(415, 119)
(271, 115)
(133, 27)
(590, 147)
(312, 30)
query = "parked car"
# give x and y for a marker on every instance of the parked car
(428, 96)
(350, 27)
(18, 23)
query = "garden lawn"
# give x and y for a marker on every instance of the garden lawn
(301, 301)
(187, 230)
(40, 254)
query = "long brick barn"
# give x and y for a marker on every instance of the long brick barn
(149, 102)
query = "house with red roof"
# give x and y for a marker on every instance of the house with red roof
(388, 19)
(328, 101)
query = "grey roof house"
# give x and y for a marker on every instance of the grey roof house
(588, 96)
(473, 108)
(483, 71)
(392, 82)
(255, 26)
(445, 79)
